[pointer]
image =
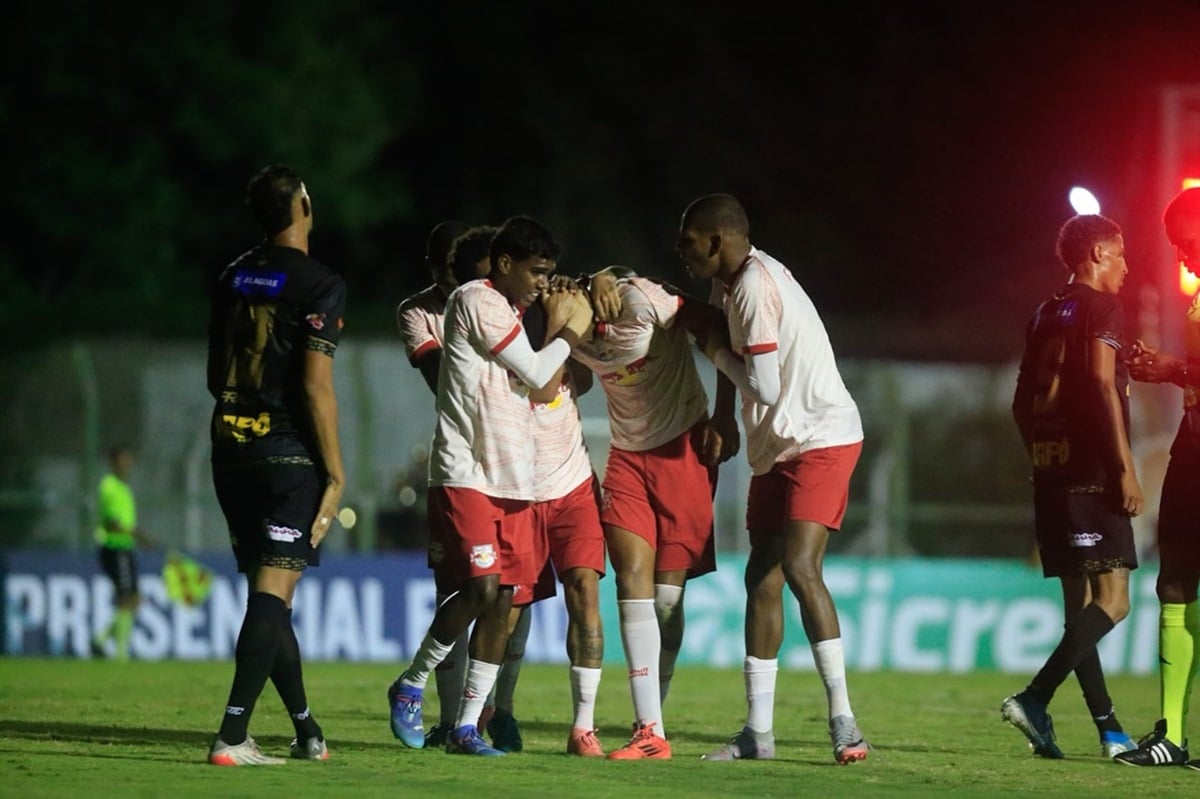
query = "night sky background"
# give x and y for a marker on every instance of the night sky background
(909, 162)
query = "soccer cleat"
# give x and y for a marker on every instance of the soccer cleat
(1030, 717)
(313, 748)
(849, 746)
(505, 732)
(1194, 765)
(743, 747)
(644, 745)
(584, 743)
(405, 702)
(1114, 742)
(466, 740)
(246, 753)
(1155, 750)
(436, 737)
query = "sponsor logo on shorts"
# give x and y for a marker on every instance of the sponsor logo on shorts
(483, 556)
(605, 500)
(277, 532)
(1085, 539)
(316, 321)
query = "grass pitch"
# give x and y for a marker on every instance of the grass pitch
(78, 728)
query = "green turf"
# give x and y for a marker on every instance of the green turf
(77, 728)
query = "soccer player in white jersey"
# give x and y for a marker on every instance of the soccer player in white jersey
(803, 439)
(419, 316)
(454, 250)
(481, 467)
(662, 459)
(567, 518)
(419, 319)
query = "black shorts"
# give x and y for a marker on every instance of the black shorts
(1179, 515)
(270, 509)
(121, 567)
(1080, 534)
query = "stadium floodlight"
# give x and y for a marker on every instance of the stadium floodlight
(1083, 201)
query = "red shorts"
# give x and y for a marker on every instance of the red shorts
(472, 535)
(572, 530)
(568, 535)
(664, 495)
(813, 487)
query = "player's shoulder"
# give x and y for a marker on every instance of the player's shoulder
(477, 293)
(430, 299)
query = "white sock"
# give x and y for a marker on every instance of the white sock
(585, 683)
(760, 694)
(668, 606)
(481, 676)
(640, 635)
(831, 665)
(449, 676)
(429, 654)
(510, 669)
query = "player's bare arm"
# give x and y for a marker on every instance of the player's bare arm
(1103, 379)
(322, 407)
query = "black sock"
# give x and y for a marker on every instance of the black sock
(288, 677)
(257, 643)
(1095, 692)
(1080, 637)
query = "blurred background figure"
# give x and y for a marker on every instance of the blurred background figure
(118, 537)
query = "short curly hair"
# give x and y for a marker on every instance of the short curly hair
(1080, 233)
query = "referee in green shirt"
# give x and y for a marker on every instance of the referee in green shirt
(117, 537)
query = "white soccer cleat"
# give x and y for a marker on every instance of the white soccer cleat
(246, 753)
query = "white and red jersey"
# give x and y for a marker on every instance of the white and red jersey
(646, 367)
(562, 461)
(419, 319)
(484, 433)
(769, 311)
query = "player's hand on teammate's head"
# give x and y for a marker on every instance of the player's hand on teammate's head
(606, 299)
(563, 283)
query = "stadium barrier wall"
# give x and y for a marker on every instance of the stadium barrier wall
(915, 615)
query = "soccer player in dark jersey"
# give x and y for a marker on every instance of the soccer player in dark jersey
(277, 464)
(1178, 515)
(1071, 406)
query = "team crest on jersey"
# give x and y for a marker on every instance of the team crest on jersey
(483, 556)
(316, 321)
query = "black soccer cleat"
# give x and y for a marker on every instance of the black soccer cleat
(1155, 750)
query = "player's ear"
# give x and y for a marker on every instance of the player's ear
(714, 244)
(305, 208)
(503, 264)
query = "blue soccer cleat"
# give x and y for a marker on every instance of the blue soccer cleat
(466, 740)
(407, 724)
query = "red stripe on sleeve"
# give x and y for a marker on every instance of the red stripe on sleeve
(759, 349)
(428, 346)
(507, 339)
